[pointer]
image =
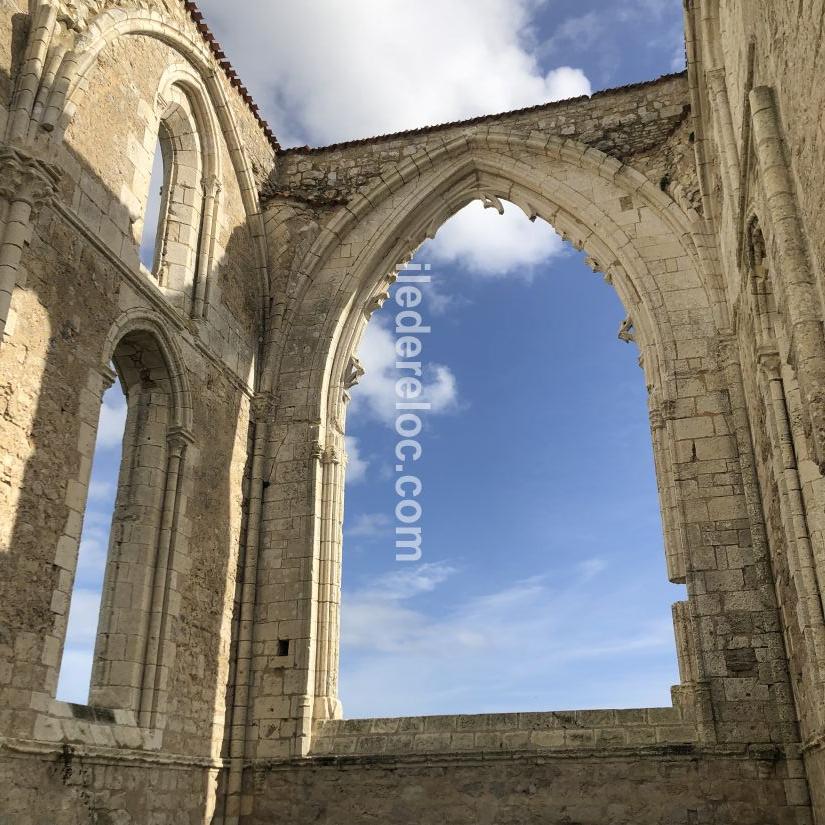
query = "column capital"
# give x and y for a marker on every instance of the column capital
(26, 178)
(211, 185)
(263, 406)
(178, 438)
(769, 361)
(331, 455)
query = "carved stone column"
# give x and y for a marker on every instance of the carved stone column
(206, 246)
(26, 184)
(327, 704)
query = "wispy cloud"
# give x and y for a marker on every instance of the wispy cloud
(400, 656)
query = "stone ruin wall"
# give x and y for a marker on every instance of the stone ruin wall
(730, 750)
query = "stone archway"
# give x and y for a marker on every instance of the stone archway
(649, 247)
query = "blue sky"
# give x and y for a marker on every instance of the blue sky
(542, 581)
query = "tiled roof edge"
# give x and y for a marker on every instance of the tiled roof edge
(197, 18)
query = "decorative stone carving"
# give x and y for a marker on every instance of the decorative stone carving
(592, 264)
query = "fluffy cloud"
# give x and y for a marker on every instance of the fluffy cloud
(375, 394)
(356, 465)
(488, 244)
(522, 641)
(325, 71)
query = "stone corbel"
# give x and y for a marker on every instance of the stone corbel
(27, 184)
(353, 374)
(107, 378)
(377, 301)
(492, 202)
(626, 331)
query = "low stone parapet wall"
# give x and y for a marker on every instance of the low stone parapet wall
(503, 731)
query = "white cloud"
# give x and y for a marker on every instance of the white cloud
(112, 418)
(357, 465)
(486, 243)
(375, 395)
(325, 71)
(521, 641)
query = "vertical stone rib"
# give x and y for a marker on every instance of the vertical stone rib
(206, 246)
(160, 578)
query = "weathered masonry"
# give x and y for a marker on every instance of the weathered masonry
(700, 196)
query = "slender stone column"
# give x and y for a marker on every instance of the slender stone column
(206, 246)
(26, 184)
(327, 704)
(177, 441)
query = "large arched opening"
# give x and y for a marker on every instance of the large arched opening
(630, 230)
(512, 558)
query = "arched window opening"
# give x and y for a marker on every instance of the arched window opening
(155, 208)
(129, 576)
(78, 651)
(537, 580)
(181, 212)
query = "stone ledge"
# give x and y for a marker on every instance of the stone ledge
(687, 751)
